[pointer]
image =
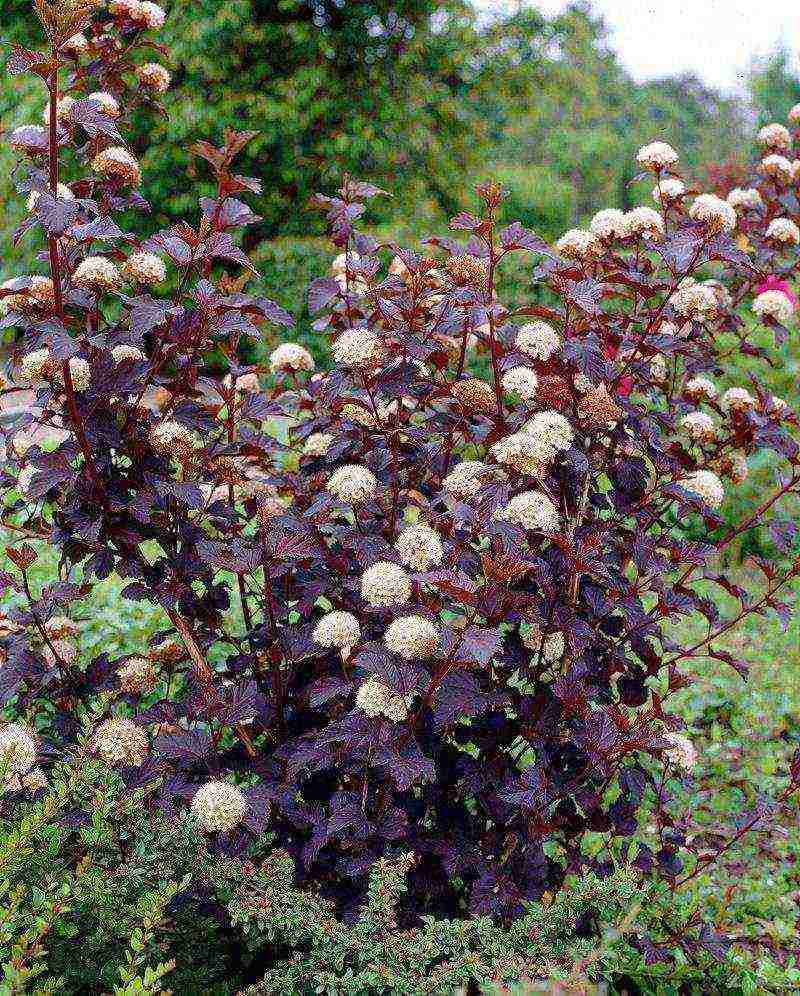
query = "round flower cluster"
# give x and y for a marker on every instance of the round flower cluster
(59, 652)
(706, 485)
(532, 510)
(18, 749)
(794, 114)
(538, 340)
(352, 484)
(376, 699)
(108, 104)
(468, 477)
(125, 353)
(610, 224)
(141, 12)
(337, 629)
(745, 199)
(551, 646)
(63, 109)
(521, 381)
(137, 676)
(317, 444)
(219, 807)
(524, 452)
(699, 426)
(290, 356)
(669, 189)
(419, 547)
(738, 399)
(657, 156)
(153, 76)
(700, 388)
(644, 221)
(145, 268)
(75, 45)
(552, 432)
(783, 230)
(118, 163)
(464, 268)
(411, 637)
(121, 741)
(79, 371)
(474, 394)
(775, 136)
(579, 244)
(778, 167)
(598, 408)
(63, 193)
(357, 348)
(97, 273)
(774, 304)
(681, 751)
(42, 289)
(385, 584)
(713, 212)
(28, 138)
(695, 301)
(25, 481)
(170, 438)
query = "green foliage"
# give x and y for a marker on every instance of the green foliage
(775, 86)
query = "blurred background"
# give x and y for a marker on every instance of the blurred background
(425, 97)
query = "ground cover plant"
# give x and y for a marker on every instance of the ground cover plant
(411, 617)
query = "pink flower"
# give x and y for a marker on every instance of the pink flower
(773, 283)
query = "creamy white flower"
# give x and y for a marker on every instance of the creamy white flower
(290, 356)
(317, 444)
(119, 163)
(150, 14)
(385, 584)
(669, 189)
(532, 510)
(60, 627)
(713, 212)
(778, 167)
(76, 45)
(774, 304)
(775, 136)
(794, 114)
(745, 199)
(738, 399)
(171, 438)
(97, 273)
(63, 193)
(153, 76)
(468, 477)
(80, 373)
(337, 629)
(699, 426)
(419, 547)
(579, 244)
(108, 104)
(376, 699)
(123, 352)
(609, 224)
(681, 751)
(358, 348)
(706, 485)
(18, 748)
(551, 646)
(35, 366)
(644, 221)
(219, 807)
(352, 484)
(524, 452)
(137, 676)
(145, 268)
(63, 108)
(538, 340)
(521, 381)
(121, 741)
(657, 156)
(695, 301)
(700, 387)
(783, 230)
(658, 367)
(411, 637)
(551, 430)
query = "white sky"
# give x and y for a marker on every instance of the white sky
(716, 39)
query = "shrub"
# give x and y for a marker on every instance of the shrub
(457, 593)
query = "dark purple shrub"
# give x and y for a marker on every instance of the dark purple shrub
(459, 594)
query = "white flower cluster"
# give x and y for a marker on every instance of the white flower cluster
(124, 353)
(153, 76)
(778, 167)
(121, 741)
(706, 485)
(468, 477)
(35, 366)
(775, 136)
(579, 244)
(171, 438)
(108, 104)
(783, 230)
(551, 646)
(681, 751)
(337, 629)
(745, 199)
(738, 399)
(145, 268)
(698, 388)
(317, 444)
(668, 190)
(532, 510)
(385, 584)
(137, 676)
(552, 432)
(352, 484)
(219, 807)
(523, 452)
(419, 547)
(644, 221)
(357, 348)
(118, 163)
(774, 304)
(699, 426)
(411, 637)
(290, 356)
(521, 381)
(713, 212)
(79, 371)
(63, 193)
(59, 652)
(695, 301)
(18, 748)
(538, 340)
(657, 156)
(794, 114)
(610, 224)
(97, 273)
(376, 699)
